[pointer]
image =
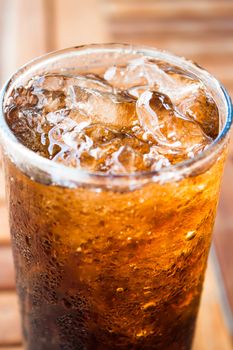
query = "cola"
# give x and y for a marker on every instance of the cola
(116, 258)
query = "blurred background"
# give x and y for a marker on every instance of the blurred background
(201, 30)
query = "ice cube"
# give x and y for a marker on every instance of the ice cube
(136, 91)
(101, 134)
(125, 160)
(68, 141)
(93, 81)
(154, 160)
(22, 97)
(173, 132)
(61, 82)
(197, 103)
(29, 125)
(51, 89)
(126, 76)
(118, 110)
(139, 72)
(191, 98)
(66, 133)
(59, 115)
(49, 100)
(179, 74)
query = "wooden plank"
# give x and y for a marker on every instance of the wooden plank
(2, 184)
(23, 34)
(49, 25)
(196, 50)
(1, 39)
(4, 225)
(8, 33)
(219, 71)
(79, 22)
(184, 28)
(7, 276)
(10, 333)
(205, 45)
(20, 26)
(224, 229)
(199, 30)
(211, 330)
(11, 348)
(169, 9)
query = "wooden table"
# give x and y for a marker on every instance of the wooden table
(198, 29)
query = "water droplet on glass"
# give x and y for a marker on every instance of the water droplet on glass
(141, 333)
(149, 305)
(190, 235)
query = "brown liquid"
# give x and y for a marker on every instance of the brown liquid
(111, 269)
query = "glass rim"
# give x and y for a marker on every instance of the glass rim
(62, 174)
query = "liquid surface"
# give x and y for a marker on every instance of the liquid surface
(142, 116)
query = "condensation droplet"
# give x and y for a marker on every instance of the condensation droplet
(201, 187)
(147, 292)
(190, 235)
(148, 305)
(142, 333)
